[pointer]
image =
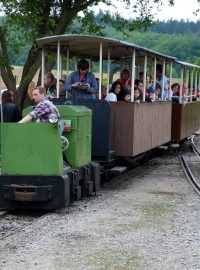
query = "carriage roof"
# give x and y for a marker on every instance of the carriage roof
(187, 64)
(87, 46)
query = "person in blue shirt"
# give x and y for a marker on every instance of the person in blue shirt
(82, 84)
(162, 79)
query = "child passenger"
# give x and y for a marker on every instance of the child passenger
(137, 96)
(127, 95)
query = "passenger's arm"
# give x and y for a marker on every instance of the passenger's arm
(93, 84)
(72, 82)
(26, 119)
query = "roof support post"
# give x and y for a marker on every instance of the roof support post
(133, 75)
(199, 81)
(170, 81)
(154, 76)
(108, 72)
(145, 78)
(163, 81)
(196, 73)
(191, 83)
(43, 68)
(187, 82)
(67, 66)
(58, 68)
(100, 67)
(181, 86)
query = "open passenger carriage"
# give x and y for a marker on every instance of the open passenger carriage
(125, 129)
(128, 129)
(186, 113)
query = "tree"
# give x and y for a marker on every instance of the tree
(30, 19)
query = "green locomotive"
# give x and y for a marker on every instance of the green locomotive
(38, 171)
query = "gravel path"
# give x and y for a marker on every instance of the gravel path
(147, 220)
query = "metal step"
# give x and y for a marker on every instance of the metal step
(118, 169)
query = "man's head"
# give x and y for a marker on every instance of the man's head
(158, 69)
(83, 65)
(38, 94)
(48, 79)
(61, 85)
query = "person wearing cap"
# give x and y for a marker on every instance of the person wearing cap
(151, 92)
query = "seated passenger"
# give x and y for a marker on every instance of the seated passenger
(137, 96)
(151, 92)
(127, 95)
(115, 91)
(62, 90)
(175, 87)
(194, 95)
(160, 79)
(125, 79)
(103, 92)
(139, 85)
(11, 112)
(49, 83)
(82, 84)
(158, 92)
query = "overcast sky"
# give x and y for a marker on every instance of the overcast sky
(183, 9)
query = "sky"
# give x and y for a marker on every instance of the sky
(183, 9)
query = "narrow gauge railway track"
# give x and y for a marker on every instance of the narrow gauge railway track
(191, 166)
(10, 223)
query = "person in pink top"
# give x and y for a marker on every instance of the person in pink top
(125, 79)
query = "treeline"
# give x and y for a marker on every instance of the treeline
(165, 38)
(180, 39)
(184, 47)
(176, 27)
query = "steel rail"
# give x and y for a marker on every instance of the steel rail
(192, 180)
(22, 227)
(189, 175)
(197, 152)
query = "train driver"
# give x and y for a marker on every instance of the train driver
(43, 108)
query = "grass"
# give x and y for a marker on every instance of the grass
(154, 215)
(111, 259)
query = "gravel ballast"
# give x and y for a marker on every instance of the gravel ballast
(146, 220)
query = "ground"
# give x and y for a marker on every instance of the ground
(148, 219)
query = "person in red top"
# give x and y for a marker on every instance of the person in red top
(125, 79)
